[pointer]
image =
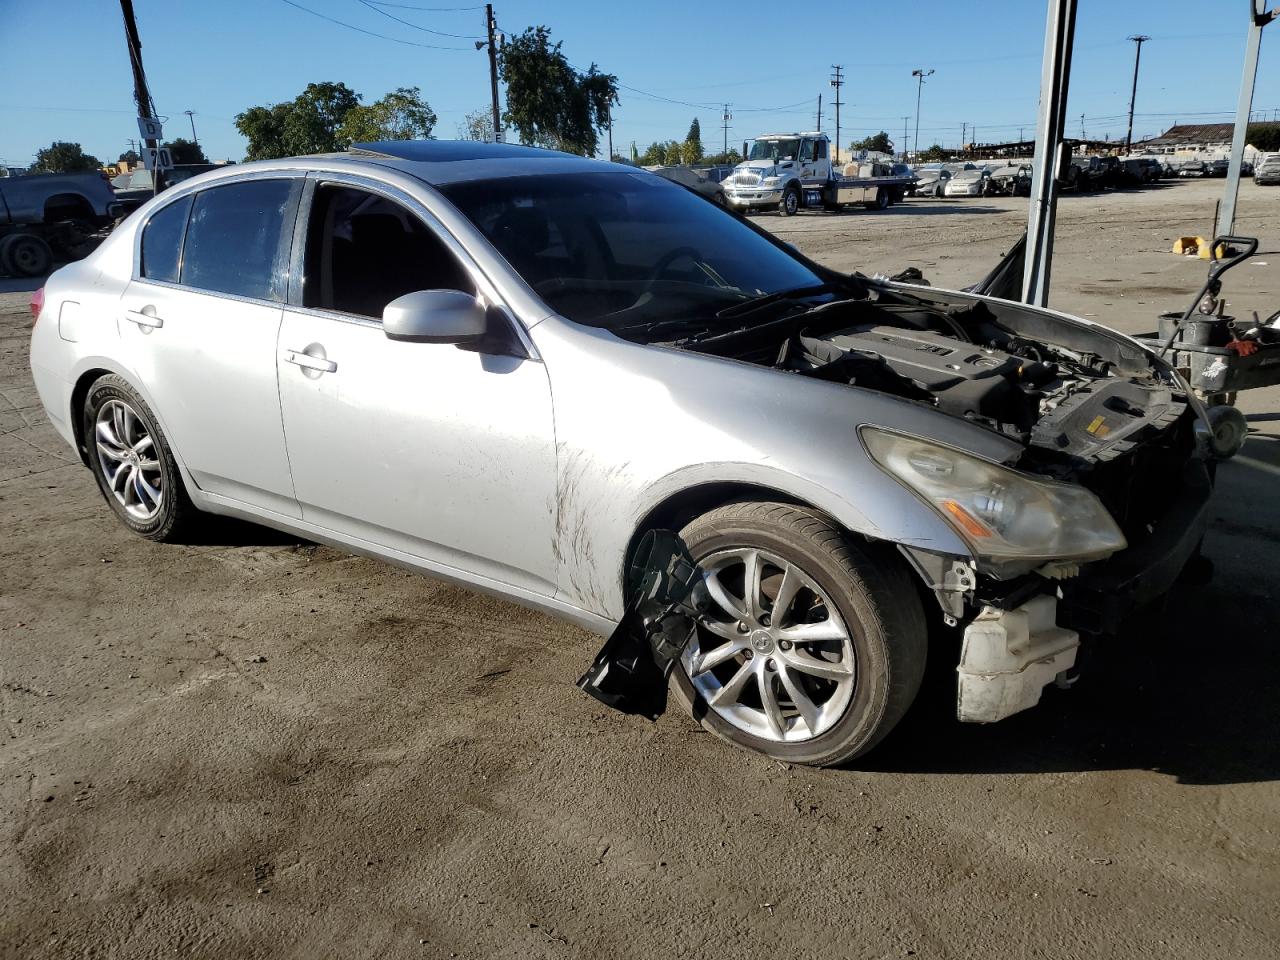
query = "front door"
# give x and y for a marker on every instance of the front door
(199, 324)
(442, 453)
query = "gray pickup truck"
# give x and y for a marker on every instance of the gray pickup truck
(44, 213)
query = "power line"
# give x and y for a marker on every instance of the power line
(370, 33)
(438, 33)
(410, 6)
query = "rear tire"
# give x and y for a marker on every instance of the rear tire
(866, 677)
(133, 464)
(25, 255)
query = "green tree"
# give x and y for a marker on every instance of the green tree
(307, 124)
(1264, 136)
(62, 156)
(935, 152)
(550, 103)
(185, 151)
(878, 142)
(129, 156)
(731, 157)
(692, 150)
(476, 125)
(400, 115)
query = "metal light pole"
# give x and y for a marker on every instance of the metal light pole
(1259, 17)
(192, 117)
(921, 74)
(1139, 39)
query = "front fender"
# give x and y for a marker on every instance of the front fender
(636, 425)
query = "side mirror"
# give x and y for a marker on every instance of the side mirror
(434, 316)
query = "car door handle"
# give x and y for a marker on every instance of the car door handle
(308, 362)
(143, 319)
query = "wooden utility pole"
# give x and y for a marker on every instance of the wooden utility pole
(141, 95)
(837, 81)
(491, 27)
(819, 113)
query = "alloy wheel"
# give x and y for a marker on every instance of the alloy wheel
(774, 658)
(129, 461)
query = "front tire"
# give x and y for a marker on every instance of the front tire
(132, 462)
(790, 204)
(813, 649)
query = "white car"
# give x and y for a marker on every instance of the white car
(967, 183)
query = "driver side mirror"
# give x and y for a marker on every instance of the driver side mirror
(435, 316)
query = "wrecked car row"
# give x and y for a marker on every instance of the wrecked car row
(775, 488)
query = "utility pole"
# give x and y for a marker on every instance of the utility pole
(192, 117)
(819, 127)
(905, 127)
(1139, 39)
(837, 81)
(1082, 133)
(491, 28)
(141, 95)
(611, 134)
(964, 127)
(921, 74)
(724, 122)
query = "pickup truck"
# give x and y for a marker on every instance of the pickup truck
(47, 212)
(790, 171)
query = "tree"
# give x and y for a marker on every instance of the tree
(692, 151)
(185, 151)
(731, 157)
(129, 156)
(476, 125)
(62, 156)
(1264, 137)
(878, 143)
(549, 102)
(400, 115)
(935, 152)
(307, 124)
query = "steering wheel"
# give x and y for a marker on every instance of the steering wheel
(664, 264)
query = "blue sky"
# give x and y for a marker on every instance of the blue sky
(66, 76)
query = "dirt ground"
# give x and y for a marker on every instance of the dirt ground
(253, 747)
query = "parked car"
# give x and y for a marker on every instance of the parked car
(555, 379)
(1267, 172)
(1013, 180)
(1085, 174)
(1219, 167)
(931, 180)
(135, 188)
(695, 180)
(1192, 168)
(966, 183)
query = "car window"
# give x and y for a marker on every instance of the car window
(234, 238)
(162, 242)
(364, 250)
(821, 147)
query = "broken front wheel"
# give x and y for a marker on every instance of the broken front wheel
(810, 649)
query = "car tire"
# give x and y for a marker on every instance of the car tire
(790, 203)
(843, 585)
(133, 463)
(25, 255)
(881, 202)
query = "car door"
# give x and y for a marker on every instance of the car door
(199, 323)
(442, 453)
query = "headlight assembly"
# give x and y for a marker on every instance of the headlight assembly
(1002, 514)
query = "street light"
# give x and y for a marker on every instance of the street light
(921, 73)
(191, 115)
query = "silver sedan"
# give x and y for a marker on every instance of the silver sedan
(510, 368)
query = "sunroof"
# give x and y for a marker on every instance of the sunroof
(444, 151)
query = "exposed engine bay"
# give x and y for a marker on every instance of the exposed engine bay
(1075, 401)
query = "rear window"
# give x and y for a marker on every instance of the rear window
(162, 242)
(234, 239)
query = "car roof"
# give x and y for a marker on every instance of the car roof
(441, 162)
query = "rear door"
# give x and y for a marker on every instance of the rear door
(443, 453)
(199, 323)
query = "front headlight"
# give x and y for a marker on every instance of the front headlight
(1001, 513)
(772, 181)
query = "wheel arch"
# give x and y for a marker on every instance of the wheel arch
(79, 393)
(69, 206)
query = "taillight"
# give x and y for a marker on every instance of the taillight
(37, 304)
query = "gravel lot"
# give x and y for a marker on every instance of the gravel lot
(254, 747)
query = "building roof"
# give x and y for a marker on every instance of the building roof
(1195, 133)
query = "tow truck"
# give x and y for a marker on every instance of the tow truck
(788, 172)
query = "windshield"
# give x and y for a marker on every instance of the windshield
(616, 250)
(774, 149)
